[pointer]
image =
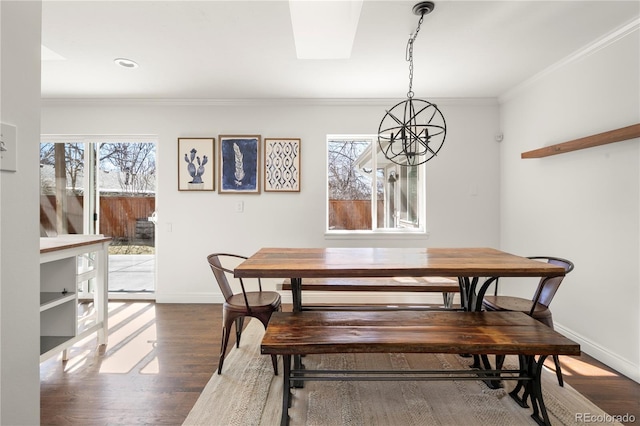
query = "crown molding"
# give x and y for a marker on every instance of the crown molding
(601, 43)
(57, 138)
(259, 102)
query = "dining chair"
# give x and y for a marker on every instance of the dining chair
(538, 306)
(257, 304)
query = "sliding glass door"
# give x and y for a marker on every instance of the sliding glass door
(104, 185)
(126, 187)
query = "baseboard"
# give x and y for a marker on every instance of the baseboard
(189, 298)
(602, 354)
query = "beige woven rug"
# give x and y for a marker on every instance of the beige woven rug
(247, 393)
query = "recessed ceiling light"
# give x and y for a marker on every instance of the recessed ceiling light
(126, 63)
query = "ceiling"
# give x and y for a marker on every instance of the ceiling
(246, 49)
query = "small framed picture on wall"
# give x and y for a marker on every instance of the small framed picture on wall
(281, 165)
(196, 164)
(239, 164)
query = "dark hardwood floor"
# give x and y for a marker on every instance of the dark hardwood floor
(160, 357)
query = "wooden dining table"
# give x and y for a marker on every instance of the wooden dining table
(476, 267)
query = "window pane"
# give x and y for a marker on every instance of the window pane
(351, 161)
(349, 185)
(127, 194)
(380, 196)
(61, 188)
(408, 213)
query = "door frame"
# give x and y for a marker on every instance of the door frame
(91, 200)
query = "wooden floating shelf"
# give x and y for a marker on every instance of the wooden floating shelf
(617, 135)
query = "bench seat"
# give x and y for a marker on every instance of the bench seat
(445, 285)
(501, 333)
(480, 333)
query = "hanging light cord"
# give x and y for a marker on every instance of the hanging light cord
(409, 56)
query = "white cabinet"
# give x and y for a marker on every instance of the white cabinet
(66, 261)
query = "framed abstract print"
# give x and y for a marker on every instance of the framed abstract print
(196, 161)
(239, 164)
(281, 165)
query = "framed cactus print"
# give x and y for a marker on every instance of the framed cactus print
(196, 161)
(239, 164)
(282, 165)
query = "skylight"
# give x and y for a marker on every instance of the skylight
(324, 29)
(49, 55)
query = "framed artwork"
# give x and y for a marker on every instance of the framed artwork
(239, 164)
(282, 165)
(196, 164)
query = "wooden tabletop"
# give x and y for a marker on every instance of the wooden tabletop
(400, 331)
(390, 262)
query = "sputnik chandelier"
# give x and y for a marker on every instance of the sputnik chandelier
(412, 131)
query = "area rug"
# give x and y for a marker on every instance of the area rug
(247, 393)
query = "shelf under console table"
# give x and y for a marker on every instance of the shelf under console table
(66, 261)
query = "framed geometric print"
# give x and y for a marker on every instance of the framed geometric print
(281, 165)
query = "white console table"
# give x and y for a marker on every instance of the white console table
(65, 262)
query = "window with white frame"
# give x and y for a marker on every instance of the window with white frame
(368, 193)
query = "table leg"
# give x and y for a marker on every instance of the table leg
(522, 384)
(536, 394)
(467, 285)
(479, 296)
(469, 298)
(286, 390)
(532, 388)
(296, 293)
(495, 383)
(473, 302)
(465, 288)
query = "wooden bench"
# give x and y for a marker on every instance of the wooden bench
(479, 333)
(445, 285)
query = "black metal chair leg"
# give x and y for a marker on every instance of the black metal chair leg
(239, 326)
(223, 350)
(556, 360)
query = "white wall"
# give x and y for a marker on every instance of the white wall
(582, 205)
(19, 233)
(194, 224)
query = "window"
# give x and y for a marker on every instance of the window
(367, 192)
